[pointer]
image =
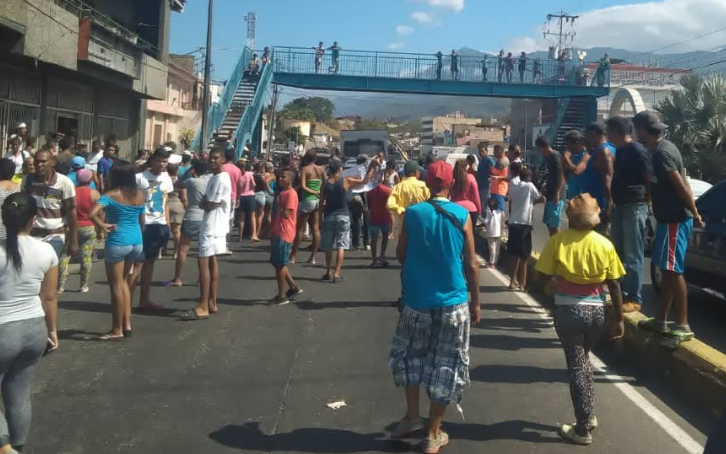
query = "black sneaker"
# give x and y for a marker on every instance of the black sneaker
(279, 301)
(293, 292)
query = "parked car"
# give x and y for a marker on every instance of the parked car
(706, 257)
(698, 187)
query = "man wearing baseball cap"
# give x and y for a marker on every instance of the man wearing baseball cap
(676, 213)
(431, 344)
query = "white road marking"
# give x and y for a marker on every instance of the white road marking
(690, 445)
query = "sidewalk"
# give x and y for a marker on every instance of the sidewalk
(257, 379)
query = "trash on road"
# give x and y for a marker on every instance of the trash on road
(337, 405)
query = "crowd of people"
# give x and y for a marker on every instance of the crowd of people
(604, 180)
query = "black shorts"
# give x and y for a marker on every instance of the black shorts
(155, 237)
(246, 204)
(520, 241)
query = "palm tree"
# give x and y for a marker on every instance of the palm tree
(696, 116)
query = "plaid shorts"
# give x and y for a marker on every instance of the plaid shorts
(431, 347)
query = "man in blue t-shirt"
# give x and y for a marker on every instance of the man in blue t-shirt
(431, 344)
(483, 172)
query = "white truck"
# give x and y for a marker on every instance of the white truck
(369, 142)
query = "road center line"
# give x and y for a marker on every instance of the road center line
(690, 445)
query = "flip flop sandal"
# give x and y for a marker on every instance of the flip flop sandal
(191, 316)
(374, 265)
(681, 335)
(384, 264)
(173, 284)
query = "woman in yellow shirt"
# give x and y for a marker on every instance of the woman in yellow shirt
(581, 261)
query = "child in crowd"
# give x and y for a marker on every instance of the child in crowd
(522, 197)
(283, 235)
(493, 223)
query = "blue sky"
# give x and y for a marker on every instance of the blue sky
(430, 25)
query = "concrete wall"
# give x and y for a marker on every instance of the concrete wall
(51, 32)
(152, 82)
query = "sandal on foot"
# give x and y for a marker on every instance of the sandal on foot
(326, 277)
(681, 335)
(173, 284)
(433, 445)
(191, 315)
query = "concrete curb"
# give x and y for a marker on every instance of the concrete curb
(695, 370)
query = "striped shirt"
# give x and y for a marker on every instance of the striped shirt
(50, 196)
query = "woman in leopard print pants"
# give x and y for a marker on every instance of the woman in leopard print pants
(582, 261)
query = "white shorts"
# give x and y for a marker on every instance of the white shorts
(210, 246)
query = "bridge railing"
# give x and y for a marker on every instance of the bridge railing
(399, 65)
(252, 112)
(218, 110)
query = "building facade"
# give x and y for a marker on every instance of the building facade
(181, 108)
(70, 67)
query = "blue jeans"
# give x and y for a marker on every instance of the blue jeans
(627, 226)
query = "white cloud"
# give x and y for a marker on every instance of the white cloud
(396, 45)
(644, 27)
(422, 17)
(404, 30)
(453, 5)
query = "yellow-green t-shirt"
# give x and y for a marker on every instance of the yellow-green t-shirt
(580, 257)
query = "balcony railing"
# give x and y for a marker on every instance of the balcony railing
(84, 10)
(300, 60)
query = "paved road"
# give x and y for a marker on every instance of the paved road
(707, 314)
(255, 378)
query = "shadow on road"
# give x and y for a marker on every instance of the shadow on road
(316, 306)
(528, 325)
(499, 373)
(319, 440)
(511, 343)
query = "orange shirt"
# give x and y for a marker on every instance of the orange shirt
(500, 186)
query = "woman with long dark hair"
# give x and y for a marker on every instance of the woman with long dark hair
(7, 186)
(28, 308)
(465, 191)
(123, 205)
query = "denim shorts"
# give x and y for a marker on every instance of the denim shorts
(553, 214)
(246, 204)
(336, 233)
(129, 254)
(308, 206)
(431, 348)
(259, 200)
(279, 252)
(190, 229)
(376, 230)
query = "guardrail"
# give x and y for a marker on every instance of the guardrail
(218, 110)
(252, 112)
(551, 132)
(398, 65)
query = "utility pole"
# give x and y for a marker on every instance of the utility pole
(562, 35)
(271, 122)
(251, 19)
(207, 69)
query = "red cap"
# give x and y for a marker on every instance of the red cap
(439, 175)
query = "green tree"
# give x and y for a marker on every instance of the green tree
(186, 137)
(367, 124)
(696, 116)
(320, 108)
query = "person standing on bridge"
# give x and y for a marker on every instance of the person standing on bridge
(553, 185)
(454, 65)
(509, 67)
(319, 53)
(431, 343)
(630, 195)
(522, 67)
(676, 213)
(500, 66)
(581, 260)
(439, 64)
(335, 56)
